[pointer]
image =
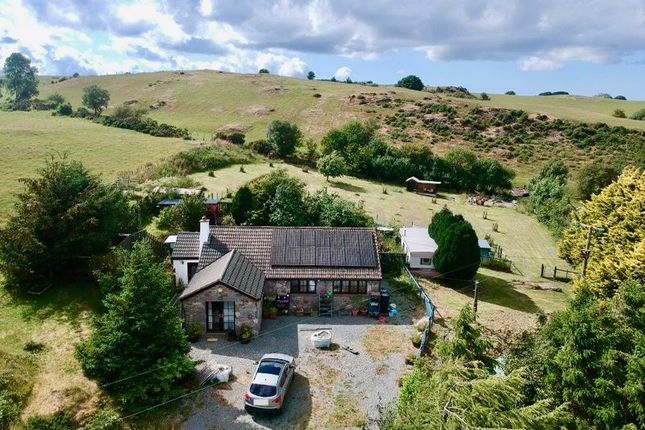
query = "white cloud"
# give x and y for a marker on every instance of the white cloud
(343, 73)
(234, 34)
(537, 64)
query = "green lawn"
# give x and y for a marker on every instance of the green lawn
(523, 239)
(28, 138)
(57, 319)
(206, 101)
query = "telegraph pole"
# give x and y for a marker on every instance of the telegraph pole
(476, 299)
(586, 251)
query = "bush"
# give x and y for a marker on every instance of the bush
(619, 113)
(105, 418)
(9, 409)
(233, 137)
(82, 112)
(168, 218)
(554, 93)
(194, 332)
(128, 118)
(639, 115)
(593, 177)
(262, 147)
(484, 96)
(61, 420)
(620, 98)
(65, 109)
(510, 93)
(263, 71)
(411, 82)
(34, 347)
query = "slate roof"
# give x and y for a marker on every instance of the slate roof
(232, 269)
(186, 246)
(256, 244)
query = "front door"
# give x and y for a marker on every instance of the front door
(220, 316)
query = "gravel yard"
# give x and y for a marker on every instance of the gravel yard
(332, 389)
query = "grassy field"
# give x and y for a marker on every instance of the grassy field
(523, 239)
(207, 101)
(57, 319)
(28, 138)
(577, 108)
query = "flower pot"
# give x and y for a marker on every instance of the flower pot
(354, 312)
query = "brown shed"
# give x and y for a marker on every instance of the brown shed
(420, 186)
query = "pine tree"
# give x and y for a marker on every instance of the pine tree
(140, 331)
(458, 255)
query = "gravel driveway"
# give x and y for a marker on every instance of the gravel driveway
(331, 387)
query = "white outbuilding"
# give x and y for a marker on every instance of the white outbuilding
(418, 246)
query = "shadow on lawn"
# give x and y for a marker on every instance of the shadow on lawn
(65, 302)
(501, 292)
(348, 187)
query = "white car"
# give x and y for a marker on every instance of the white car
(270, 383)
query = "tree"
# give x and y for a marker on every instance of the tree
(411, 82)
(140, 331)
(331, 210)
(332, 165)
(591, 357)
(311, 75)
(492, 176)
(462, 168)
(457, 255)
(510, 93)
(63, 216)
(190, 211)
(263, 71)
(20, 79)
(555, 169)
(96, 98)
(457, 390)
(468, 343)
(484, 96)
(593, 177)
(284, 137)
(242, 204)
(619, 250)
(286, 207)
(440, 223)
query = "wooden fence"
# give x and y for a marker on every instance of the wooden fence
(557, 274)
(425, 336)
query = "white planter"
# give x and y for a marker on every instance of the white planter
(321, 339)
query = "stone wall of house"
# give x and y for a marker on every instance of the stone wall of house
(248, 311)
(309, 302)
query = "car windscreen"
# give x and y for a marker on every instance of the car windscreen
(262, 390)
(270, 367)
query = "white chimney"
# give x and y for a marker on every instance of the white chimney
(204, 231)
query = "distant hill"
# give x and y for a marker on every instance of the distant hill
(208, 101)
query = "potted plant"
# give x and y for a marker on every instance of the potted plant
(273, 312)
(357, 302)
(246, 333)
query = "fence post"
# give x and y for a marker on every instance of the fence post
(542, 271)
(555, 272)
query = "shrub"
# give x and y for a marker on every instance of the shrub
(619, 113)
(484, 96)
(411, 82)
(262, 147)
(510, 93)
(620, 98)
(263, 71)
(105, 418)
(65, 109)
(34, 347)
(133, 119)
(82, 112)
(168, 218)
(236, 138)
(639, 115)
(593, 177)
(194, 332)
(61, 420)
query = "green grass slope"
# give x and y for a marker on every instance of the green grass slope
(28, 138)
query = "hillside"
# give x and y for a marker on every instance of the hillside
(28, 138)
(207, 101)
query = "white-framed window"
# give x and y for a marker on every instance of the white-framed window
(307, 286)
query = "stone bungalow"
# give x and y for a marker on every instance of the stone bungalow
(228, 271)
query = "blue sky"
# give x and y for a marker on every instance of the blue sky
(529, 46)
